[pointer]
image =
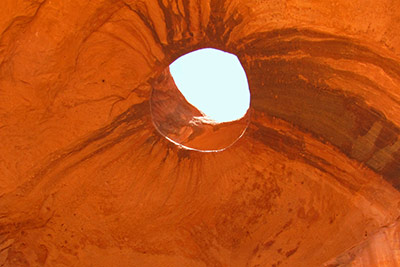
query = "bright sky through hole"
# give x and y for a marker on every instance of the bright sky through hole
(214, 82)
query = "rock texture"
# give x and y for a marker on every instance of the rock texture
(87, 180)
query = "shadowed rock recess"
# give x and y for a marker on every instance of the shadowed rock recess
(86, 179)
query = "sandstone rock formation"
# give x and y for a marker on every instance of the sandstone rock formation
(87, 180)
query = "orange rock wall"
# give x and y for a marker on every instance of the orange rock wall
(86, 179)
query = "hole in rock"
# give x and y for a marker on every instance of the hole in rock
(201, 101)
(214, 82)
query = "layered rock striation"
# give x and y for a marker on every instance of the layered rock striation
(87, 179)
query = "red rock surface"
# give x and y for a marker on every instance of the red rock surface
(87, 180)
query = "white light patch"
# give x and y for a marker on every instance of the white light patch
(214, 82)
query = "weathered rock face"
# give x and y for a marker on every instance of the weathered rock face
(87, 180)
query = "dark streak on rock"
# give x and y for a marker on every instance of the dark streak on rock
(287, 224)
(336, 47)
(291, 252)
(279, 142)
(329, 114)
(145, 18)
(268, 244)
(218, 30)
(184, 154)
(169, 22)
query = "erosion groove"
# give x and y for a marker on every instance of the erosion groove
(87, 179)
